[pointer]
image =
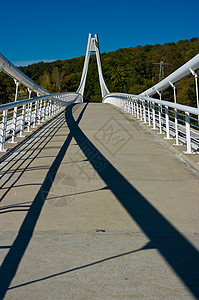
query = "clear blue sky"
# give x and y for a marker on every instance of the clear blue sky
(58, 29)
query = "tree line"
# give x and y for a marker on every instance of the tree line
(129, 70)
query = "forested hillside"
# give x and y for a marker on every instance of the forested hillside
(131, 70)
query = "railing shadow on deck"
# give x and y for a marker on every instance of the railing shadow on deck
(25, 155)
(172, 245)
(17, 249)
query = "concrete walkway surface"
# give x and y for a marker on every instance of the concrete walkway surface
(94, 206)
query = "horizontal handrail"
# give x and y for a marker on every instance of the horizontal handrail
(11, 105)
(189, 109)
(166, 116)
(18, 115)
(10, 69)
(186, 69)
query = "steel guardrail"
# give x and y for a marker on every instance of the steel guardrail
(163, 115)
(18, 115)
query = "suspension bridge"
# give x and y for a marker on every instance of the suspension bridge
(99, 200)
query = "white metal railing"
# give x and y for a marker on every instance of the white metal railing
(17, 116)
(19, 77)
(188, 68)
(176, 120)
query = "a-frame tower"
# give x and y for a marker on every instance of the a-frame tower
(93, 47)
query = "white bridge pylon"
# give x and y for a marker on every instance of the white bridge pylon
(93, 47)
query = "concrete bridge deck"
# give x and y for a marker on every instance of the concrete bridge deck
(98, 208)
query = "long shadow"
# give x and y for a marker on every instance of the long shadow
(29, 148)
(146, 247)
(21, 208)
(12, 211)
(12, 260)
(22, 204)
(30, 169)
(173, 246)
(5, 247)
(24, 185)
(34, 153)
(24, 145)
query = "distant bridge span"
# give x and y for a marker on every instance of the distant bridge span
(164, 115)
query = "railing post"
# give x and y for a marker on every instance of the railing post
(131, 106)
(14, 125)
(55, 107)
(144, 111)
(3, 131)
(160, 95)
(153, 111)
(149, 114)
(167, 123)
(134, 107)
(35, 115)
(51, 107)
(47, 108)
(141, 110)
(160, 118)
(29, 96)
(160, 112)
(17, 87)
(174, 91)
(188, 133)
(196, 83)
(29, 93)
(176, 128)
(44, 111)
(59, 107)
(29, 117)
(22, 125)
(137, 109)
(39, 112)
